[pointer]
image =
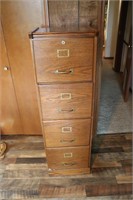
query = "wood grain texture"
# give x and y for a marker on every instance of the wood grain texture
(98, 163)
(66, 192)
(128, 136)
(107, 150)
(68, 158)
(88, 13)
(63, 13)
(10, 120)
(73, 13)
(69, 172)
(124, 179)
(18, 18)
(30, 160)
(106, 190)
(63, 59)
(54, 107)
(76, 55)
(25, 154)
(61, 133)
(121, 141)
(27, 177)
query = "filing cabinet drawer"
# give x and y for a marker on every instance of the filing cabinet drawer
(68, 158)
(65, 68)
(61, 133)
(64, 60)
(66, 101)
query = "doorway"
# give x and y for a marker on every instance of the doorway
(115, 115)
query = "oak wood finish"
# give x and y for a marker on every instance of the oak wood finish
(56, 32)
(60, 133)
(63, 13)
(26, 177)
(68, 158)
(10, 120)
(74, 62)
(18, 18)
(66, 101)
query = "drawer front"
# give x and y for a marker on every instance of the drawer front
(61, 133)
(66, 101)
(65, 158)
(64, 60)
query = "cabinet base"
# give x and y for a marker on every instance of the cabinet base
(69, 172)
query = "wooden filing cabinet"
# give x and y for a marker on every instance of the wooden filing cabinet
(65, 65)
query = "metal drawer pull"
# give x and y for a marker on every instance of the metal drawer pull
(66, 129)
(69, 164)
(65, 96)
(63, 53)
(62, 110)
(70, 71)
(68, 155)
(66, 141)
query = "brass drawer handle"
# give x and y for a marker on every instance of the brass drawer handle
(63, 110)
(69, 164)
(63, 53)
(66, 129)
(68, 155)
(65, 141)
(70, 71)
(65, 96)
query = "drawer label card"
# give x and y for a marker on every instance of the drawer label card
(61, 53)
(68, 155)
(65, 96)
(66, 129)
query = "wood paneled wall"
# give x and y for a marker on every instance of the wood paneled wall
(18, 18)
(63, 13)
(88, 13)
(74, 13)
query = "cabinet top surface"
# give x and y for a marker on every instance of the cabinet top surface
(66, 31)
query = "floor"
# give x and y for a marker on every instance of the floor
(115, 116)
(23, 171)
